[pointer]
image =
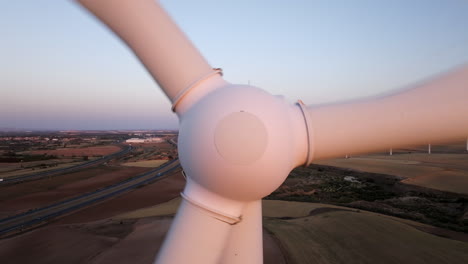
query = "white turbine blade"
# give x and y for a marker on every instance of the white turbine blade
(194, 237)
(245, 243)
(160, 45)
(435, 111)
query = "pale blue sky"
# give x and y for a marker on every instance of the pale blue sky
(61, 69)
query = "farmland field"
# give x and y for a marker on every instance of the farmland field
(341, 235)
(86, 151)
(145, 163)
(442, 171)
(34, 167)
(320, 233)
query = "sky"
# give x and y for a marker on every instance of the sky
(62, 69)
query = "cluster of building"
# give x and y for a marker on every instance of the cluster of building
(145, 140)
(42, 139)
(22, 143)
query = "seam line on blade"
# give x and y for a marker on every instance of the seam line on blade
(232, 220)
(185, 91)
(308, 124)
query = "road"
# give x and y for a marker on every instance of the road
(36, 176)
(32, 218)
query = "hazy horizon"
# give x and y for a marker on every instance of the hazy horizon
(8, 129)
(63, 70)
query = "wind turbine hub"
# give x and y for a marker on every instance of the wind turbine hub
(238, 142)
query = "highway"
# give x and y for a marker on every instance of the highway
(36, 176)
(34, 217)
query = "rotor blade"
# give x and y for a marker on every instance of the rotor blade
(245, 243)
(194, 237)
(435, 111)
(160, 45)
